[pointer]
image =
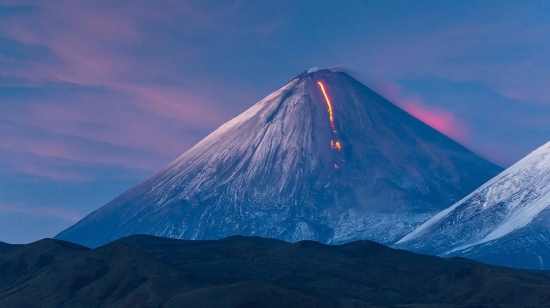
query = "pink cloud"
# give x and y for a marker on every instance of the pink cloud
(143, 130)
(83, 42)
(442, 120)
(153, 124)
(57, 159)
(158, 121)
(63, 150)
(145, 114)
(54, 146)
(95, 43)
(49, 171)
(178, 104)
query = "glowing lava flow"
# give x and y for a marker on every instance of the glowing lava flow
(329, 105)
(338, 145)
(334, 144)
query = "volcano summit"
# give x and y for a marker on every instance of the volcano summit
(323, 158)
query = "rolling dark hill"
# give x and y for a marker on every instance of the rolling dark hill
(6, 246)
(147, 271)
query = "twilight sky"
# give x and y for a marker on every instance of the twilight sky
(95, 97)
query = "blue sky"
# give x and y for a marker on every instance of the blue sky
(96, 96)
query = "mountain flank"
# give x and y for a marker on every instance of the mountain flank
(506, 221)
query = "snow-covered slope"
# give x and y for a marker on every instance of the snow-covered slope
(331, 166)
(527, 247)
(506, 221)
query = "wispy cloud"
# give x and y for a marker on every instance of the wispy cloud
(42, 211)
(115, 93)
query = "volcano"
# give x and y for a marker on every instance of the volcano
(323, 158)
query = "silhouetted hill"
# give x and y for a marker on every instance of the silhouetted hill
(6, 246)
(147, 271)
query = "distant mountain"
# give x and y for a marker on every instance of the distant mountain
(323, 158)
(506, 221)
(146, 271)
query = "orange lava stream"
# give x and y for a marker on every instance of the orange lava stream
(329, 105)
(334, 144)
